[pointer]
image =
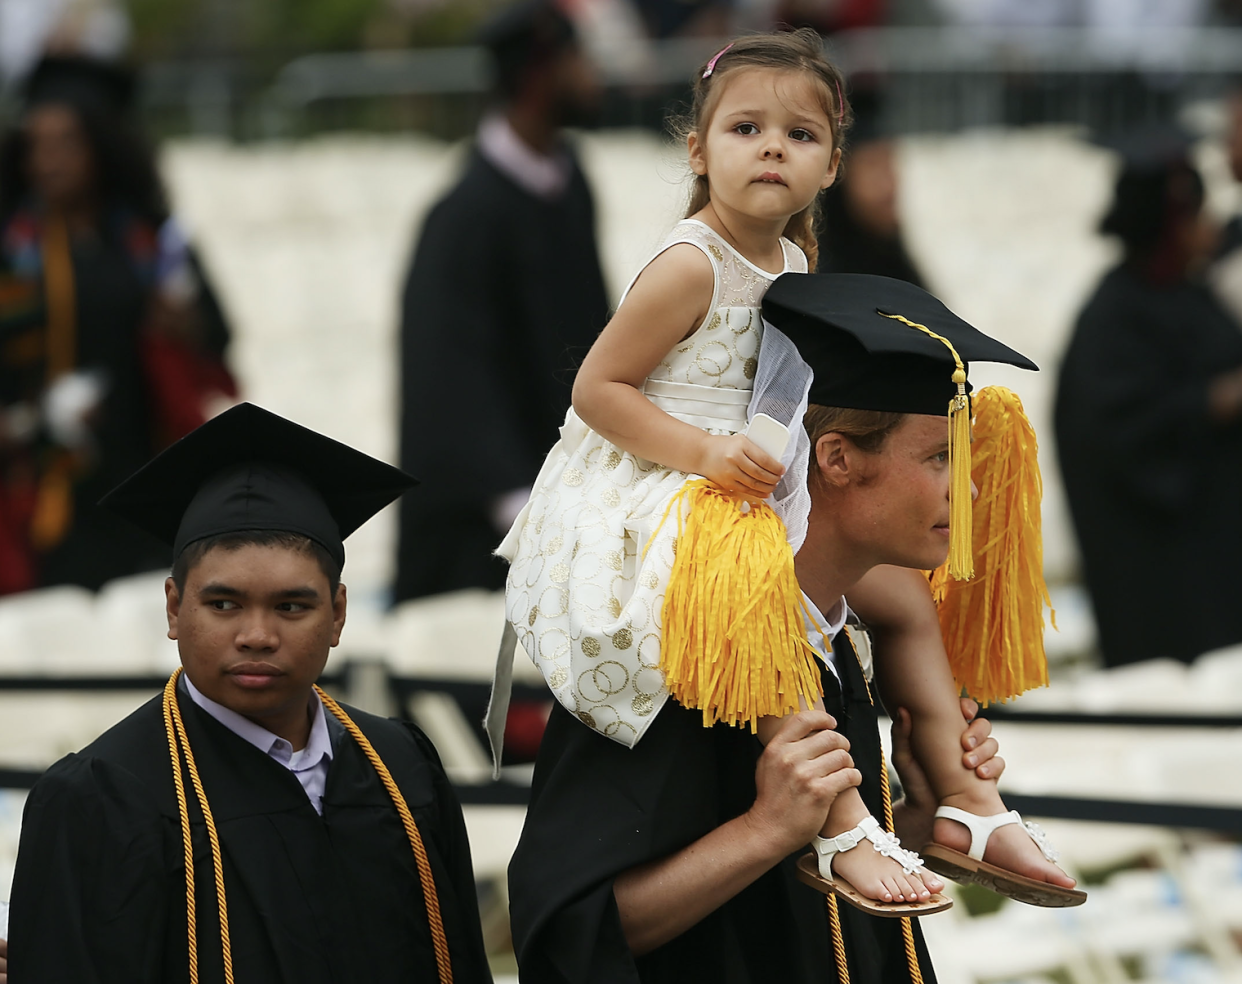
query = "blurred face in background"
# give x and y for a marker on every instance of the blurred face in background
(576, 88)
(59, 162)
(870, 187)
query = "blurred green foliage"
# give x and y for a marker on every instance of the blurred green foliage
(167, 28)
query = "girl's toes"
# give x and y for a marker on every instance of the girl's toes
(933, 884)
(889, 891)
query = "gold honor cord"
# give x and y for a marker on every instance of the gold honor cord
(961, 535)
(834, 917)
(178, 740)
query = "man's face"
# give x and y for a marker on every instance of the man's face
(254, 626)
(895, 507)
(59, 162)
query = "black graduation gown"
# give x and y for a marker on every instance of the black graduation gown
(99, 890)
(1154, 486)
(504, 297)
(598, 808)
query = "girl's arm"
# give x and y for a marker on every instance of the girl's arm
(666, 304)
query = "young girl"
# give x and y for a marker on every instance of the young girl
(661, 398)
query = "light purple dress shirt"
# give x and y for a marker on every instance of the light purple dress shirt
(309, 766)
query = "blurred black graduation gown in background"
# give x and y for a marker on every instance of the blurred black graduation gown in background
(598, 809)
(1154, 485)
(503, 300)
(99, 890)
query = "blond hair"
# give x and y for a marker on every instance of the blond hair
(802, 51)
(866, 429)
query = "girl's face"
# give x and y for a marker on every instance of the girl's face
(767, 150)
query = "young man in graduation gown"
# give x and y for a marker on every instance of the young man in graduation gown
(244, 826)
(1149, 422)
(503, 299)
(674, 860)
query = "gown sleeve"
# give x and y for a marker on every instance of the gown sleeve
(89, 900)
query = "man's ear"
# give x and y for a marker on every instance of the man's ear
(338, 614)
(694, 149)
(833, 458)
(172, 606)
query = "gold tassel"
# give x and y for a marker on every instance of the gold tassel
(993, 625)
(961, 562)
(961, 559)
(734, 643)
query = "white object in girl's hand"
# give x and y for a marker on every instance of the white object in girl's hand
(769, 433)
(4, 920)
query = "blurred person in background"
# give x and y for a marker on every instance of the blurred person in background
(860, 228)
(503, 299)
(1149, 424)
(111, 343)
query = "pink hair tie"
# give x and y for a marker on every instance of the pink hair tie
(711, 65)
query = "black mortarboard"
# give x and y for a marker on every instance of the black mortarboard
(874, 343)
(1157, 184)
(849, 328)
(82, 82)
(249, 469)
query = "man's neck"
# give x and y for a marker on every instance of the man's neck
(533, 127)
(824, 567)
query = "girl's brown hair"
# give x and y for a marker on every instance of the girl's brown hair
(867, 429)
(801, 50)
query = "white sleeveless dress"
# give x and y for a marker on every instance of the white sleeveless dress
(584, 600)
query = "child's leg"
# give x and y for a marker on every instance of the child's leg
(913, 672)
(871, 873)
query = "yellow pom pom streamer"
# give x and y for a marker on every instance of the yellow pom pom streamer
(961, 561)
(993, 625)
(734, 643)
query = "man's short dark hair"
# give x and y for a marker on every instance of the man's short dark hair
(196, 551)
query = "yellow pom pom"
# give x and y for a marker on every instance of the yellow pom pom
(993, 625)
(734, 641)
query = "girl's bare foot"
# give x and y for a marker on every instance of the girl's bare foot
(1009, 847)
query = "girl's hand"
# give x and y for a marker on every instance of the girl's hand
(738, 464)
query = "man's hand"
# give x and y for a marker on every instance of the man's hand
(915, 813)
(804, 767)
(4, 962)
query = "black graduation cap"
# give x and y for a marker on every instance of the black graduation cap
(249, 469)
(82, 82)
(875, 343)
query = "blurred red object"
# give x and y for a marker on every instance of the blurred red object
(524, 729)
(182, 382)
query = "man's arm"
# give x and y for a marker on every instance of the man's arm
(800, 773)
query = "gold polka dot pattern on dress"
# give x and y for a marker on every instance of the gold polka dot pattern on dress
(585, 587)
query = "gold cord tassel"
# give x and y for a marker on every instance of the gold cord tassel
(734, 643)
(993, 625)
(961, 559)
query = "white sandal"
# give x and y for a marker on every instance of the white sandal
(971, 867)
(815, 869)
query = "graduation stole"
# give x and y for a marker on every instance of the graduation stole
(179, 746)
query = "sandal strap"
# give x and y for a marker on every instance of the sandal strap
(827, 848)
(982, 828)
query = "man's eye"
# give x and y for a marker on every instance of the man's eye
(942, 457)
(746, 129)
(292, 606)
(223, 604)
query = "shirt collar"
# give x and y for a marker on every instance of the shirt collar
(544, 176)
(318, 744)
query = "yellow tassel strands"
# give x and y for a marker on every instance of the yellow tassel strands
(961, 561)
(734, 643)
(993, 625)
(179, 747)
